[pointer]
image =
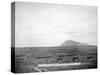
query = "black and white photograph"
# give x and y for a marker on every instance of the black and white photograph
(53, 37)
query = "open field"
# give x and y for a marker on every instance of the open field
(30, 59)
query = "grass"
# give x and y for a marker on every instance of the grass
(27, 59)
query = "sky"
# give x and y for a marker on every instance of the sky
(41, 24)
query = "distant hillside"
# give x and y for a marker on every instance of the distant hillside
(73, 43)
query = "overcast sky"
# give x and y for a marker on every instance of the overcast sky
(38, 24)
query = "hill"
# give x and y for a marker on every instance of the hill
(73, 43)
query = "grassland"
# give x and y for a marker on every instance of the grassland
(27, 59)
